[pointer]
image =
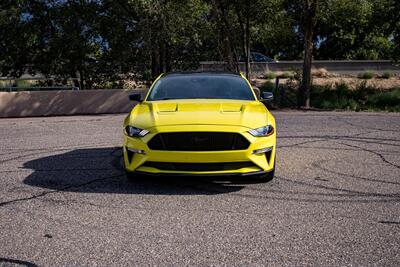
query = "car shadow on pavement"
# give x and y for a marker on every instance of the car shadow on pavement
(12, 262)
(99, 170)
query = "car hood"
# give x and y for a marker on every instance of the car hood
(250, 114)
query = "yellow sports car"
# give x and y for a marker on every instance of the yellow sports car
(200, 124)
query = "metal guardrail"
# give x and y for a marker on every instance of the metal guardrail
(350, 67)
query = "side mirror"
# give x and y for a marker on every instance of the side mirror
(135, 97)
(267, 96)
(257, 91)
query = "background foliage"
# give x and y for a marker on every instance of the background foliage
(102, 40)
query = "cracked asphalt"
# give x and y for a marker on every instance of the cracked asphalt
(335, 200)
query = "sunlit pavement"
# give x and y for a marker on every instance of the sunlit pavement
(335, 200)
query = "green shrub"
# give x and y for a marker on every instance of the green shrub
(286, 75)
(333, 97)
(363, 97)
(387, 75)
(22, 83)
(270, 75)
(366, 75)
(4, 84)
(268, 87)
(147, 76)
(385, 100)
(363, 90)
(297, 74)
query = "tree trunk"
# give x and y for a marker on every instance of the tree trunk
(228, 44)
(155, 62)
(242, 30)
(81, 80)
(168, 66)
(74, 80)
(163, 47)
(310, 11)
(248, 52)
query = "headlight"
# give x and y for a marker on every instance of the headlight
(135, 132)
(262, 131)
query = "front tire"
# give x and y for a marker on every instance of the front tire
(130, 176)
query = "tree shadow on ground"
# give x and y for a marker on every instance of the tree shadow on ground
(99, 170)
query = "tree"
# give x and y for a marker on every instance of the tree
(178, 41)
(17, 38)
(395, 26)
(226, 37)
(105, 41)
(244, 24)
(354, 29)
(243, 10)
(310, 13)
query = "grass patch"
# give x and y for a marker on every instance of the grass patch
(387, 75)
(367, 75)
(23, 84)
(362, 98)
(286, 75)
(270, 75)
(388, 100)
(4, 84)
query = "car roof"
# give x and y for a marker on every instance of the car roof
(201, 73)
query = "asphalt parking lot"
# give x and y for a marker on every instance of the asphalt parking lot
(335, 200)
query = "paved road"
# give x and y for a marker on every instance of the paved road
(335, 199)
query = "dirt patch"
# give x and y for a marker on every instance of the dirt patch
(322, 77)
(353, 83)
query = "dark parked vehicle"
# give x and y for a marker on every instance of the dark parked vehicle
(256, 57)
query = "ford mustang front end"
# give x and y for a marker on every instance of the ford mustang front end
(200, 124)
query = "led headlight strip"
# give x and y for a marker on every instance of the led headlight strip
(135, 132)
(262, 131)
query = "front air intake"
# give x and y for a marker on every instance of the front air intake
(199, 167)
(198, 141)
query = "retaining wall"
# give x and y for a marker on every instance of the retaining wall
(53, 103)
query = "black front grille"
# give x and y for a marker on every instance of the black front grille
(221, 166)
(198, 141)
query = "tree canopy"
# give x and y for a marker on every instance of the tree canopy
(98, 40)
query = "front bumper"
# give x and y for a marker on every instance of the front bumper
(258, 163)
(174, 174)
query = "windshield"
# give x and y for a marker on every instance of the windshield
(200, 86)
